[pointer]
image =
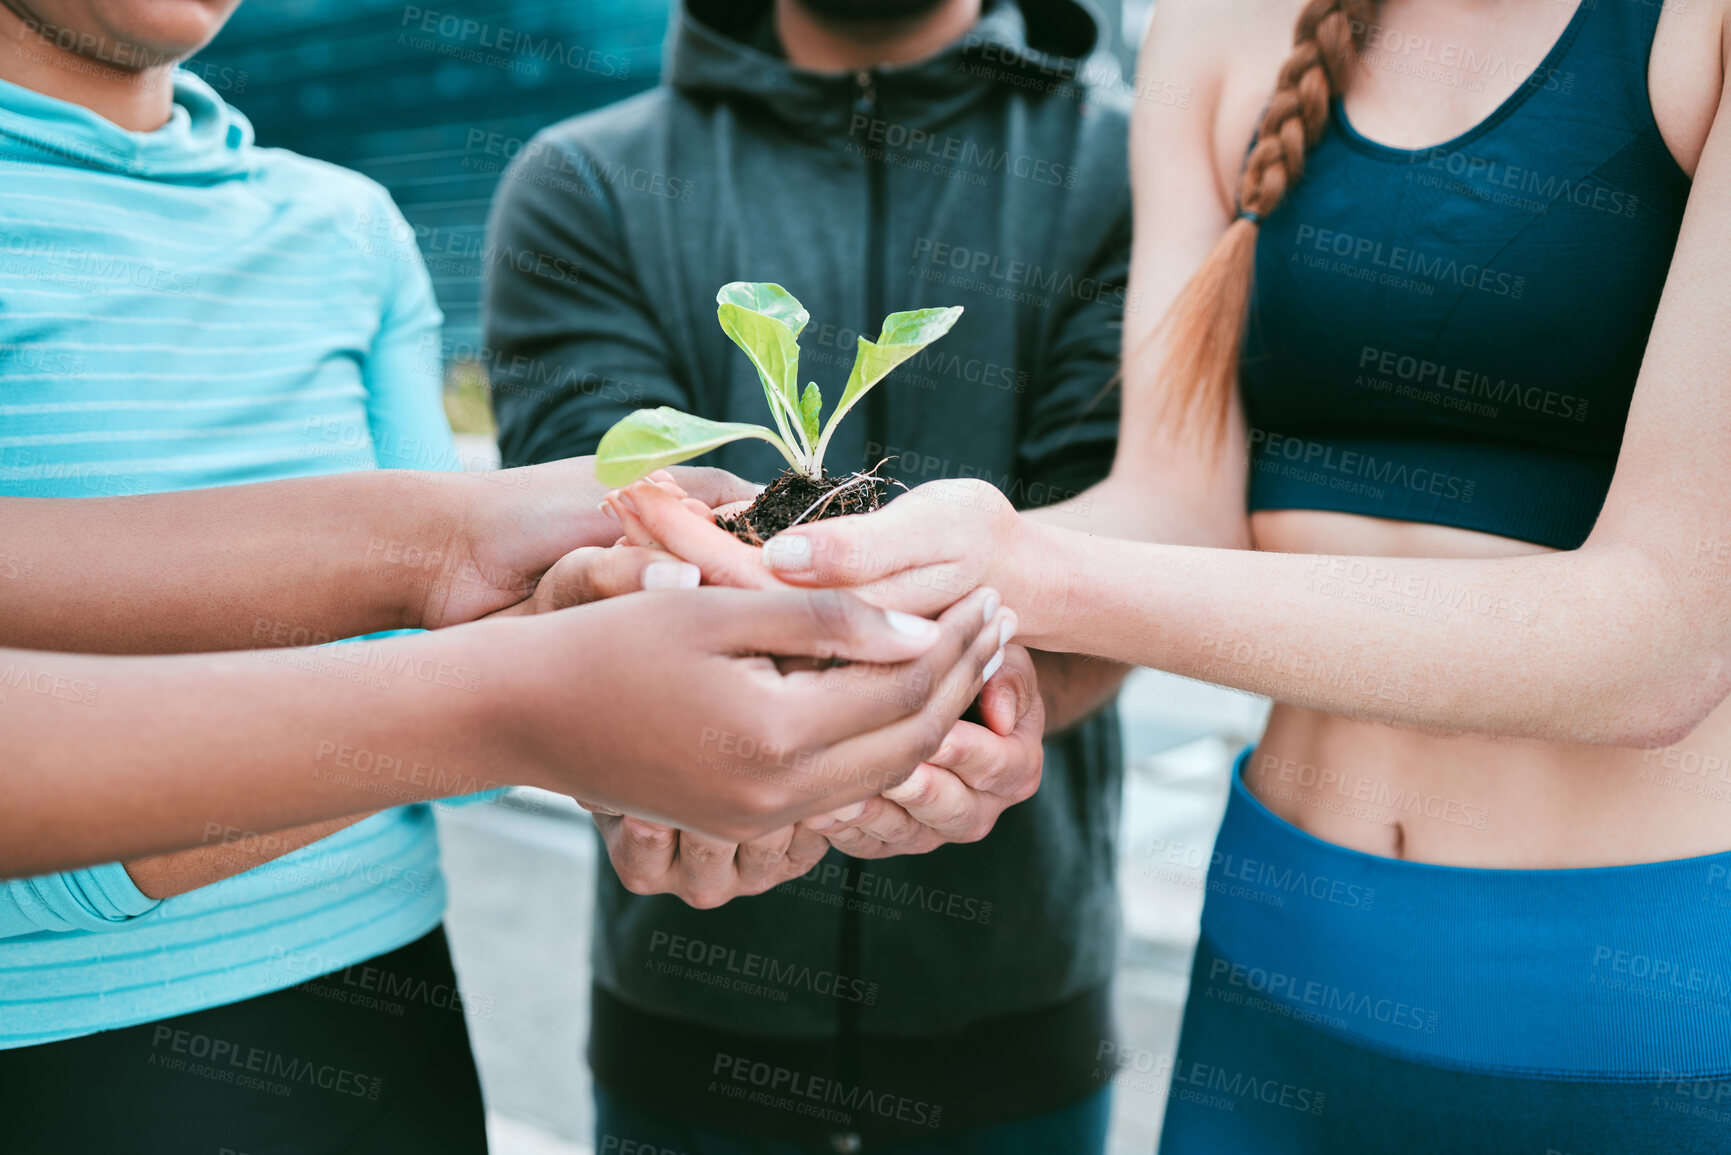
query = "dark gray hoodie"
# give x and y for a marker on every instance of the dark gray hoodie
(908, 995)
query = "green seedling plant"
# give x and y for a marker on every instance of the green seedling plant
(765, 320)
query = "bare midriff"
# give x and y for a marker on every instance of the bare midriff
(1468, 799)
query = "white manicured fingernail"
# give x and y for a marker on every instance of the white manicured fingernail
(671, 575)
(790, 554)
(607, 508)
(992, 666)
(910, 625)
(1007, 630)
(992, 604)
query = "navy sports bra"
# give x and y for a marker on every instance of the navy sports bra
(1452, 334)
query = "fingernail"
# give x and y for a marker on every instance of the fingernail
(910, 625)
(661, 475)
(791, 554)
(992, 604)
(1007, 630)
(671, 575)
(992, 666)
(909, 788)
(848, 813)
(624, 499)
(607, 508)
(820, 823)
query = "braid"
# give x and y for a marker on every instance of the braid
(1205, 325)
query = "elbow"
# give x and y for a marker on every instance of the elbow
(1658, 730)
(1662, 665)
(1664, 712)
(1636, 733)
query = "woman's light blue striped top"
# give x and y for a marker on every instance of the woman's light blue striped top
(178, 309)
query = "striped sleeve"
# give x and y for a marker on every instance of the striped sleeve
(403, 370)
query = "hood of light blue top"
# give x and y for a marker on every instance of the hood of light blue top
(205, 139)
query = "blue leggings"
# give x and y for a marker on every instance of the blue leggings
(1344, 1002)
(1079, 1129)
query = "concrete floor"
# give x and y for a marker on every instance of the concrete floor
(521, 874)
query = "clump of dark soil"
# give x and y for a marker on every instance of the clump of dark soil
(794, 499)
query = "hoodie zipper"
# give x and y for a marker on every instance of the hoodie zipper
(848, 946)
(877, 193)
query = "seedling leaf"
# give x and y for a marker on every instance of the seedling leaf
(651, 439)
(768, 298)
(810, 408)
(765, 320)
(903, 335)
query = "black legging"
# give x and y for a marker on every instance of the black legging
(372, 1062)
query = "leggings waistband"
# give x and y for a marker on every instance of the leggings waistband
(1619, 972)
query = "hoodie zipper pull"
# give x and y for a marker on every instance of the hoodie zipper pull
(865, 93)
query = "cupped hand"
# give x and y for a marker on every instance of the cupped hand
(958, 793)
(954, 796)
(918, 554)
(651, 858)
(691, 720)
(505, 531)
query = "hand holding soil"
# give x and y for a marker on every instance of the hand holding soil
(657, 514)
(930, 545)
(917, 554)
(954, 796)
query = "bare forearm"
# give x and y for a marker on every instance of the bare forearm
(1595, 645)
(1141, 504)
(281, 563)
(124, 758)
(293, 563)
(1075, 686)
(228, 852)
